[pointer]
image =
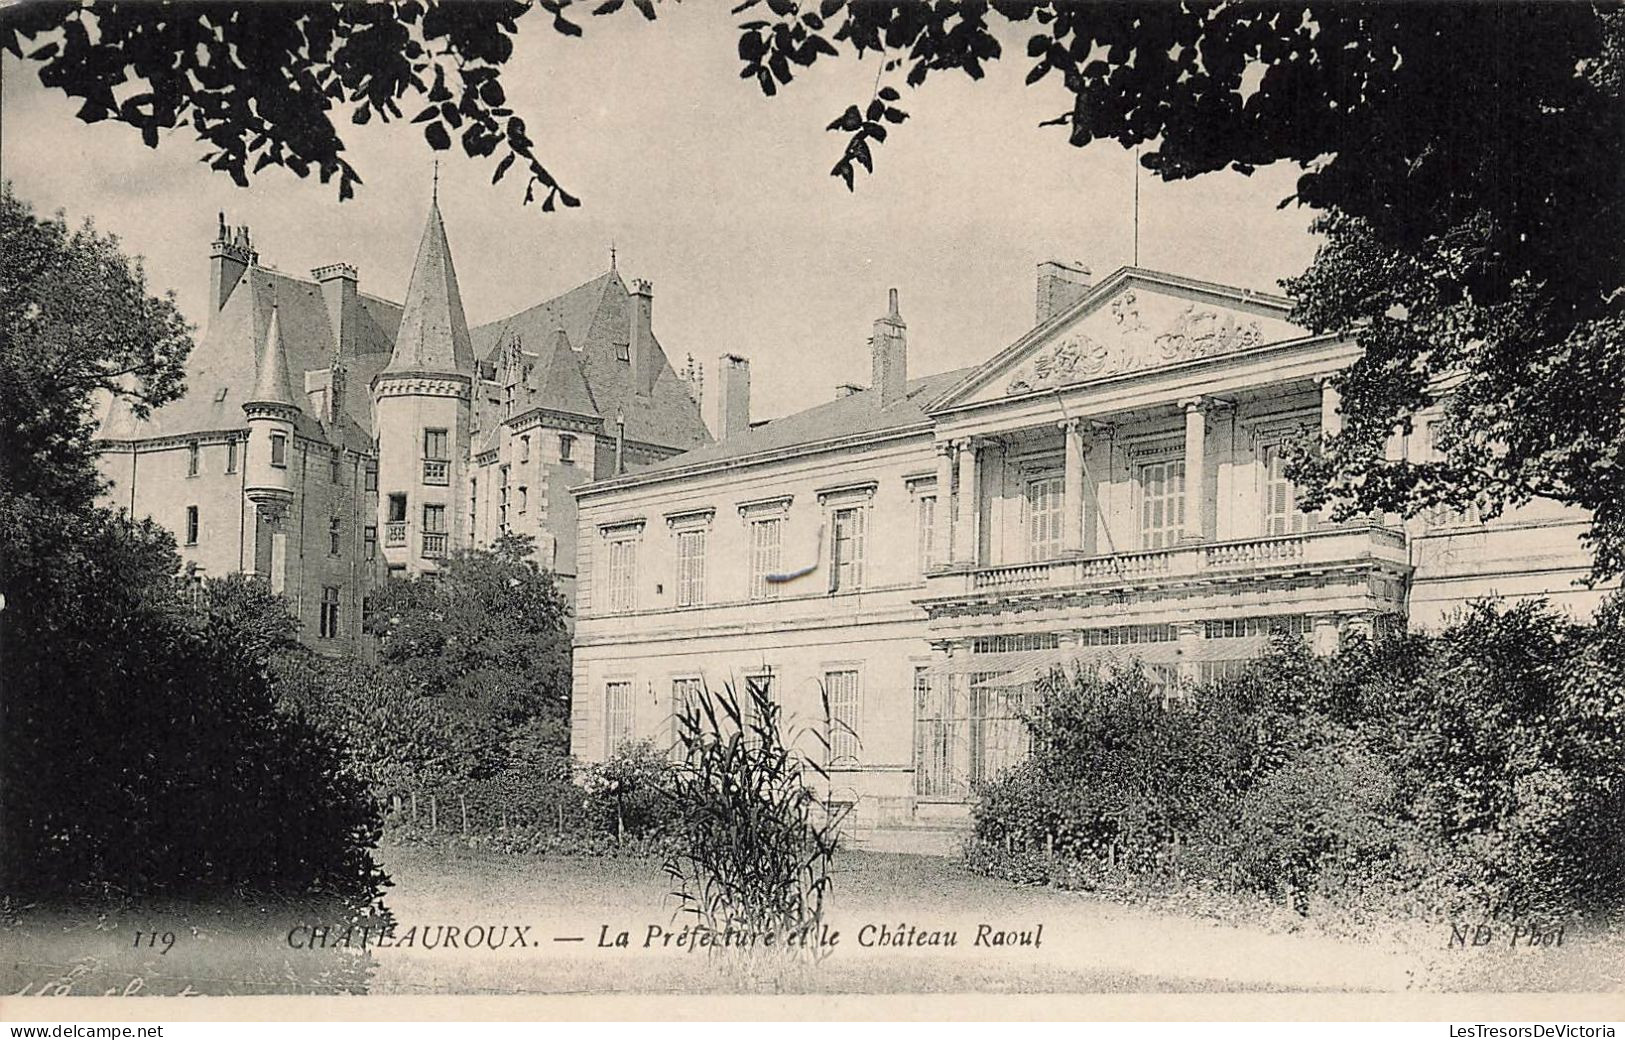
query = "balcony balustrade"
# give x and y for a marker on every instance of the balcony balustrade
(395, 534)
(436, 471)
(435, 545)
(1329, 547)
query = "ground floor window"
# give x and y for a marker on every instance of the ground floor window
(966, 733)
(841, 688)
(617, 714)
(330, 612)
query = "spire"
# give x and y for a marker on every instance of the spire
(433, 335)
(271, 377)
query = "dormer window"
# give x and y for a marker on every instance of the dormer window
(623, 352)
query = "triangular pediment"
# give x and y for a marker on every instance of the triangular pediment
(1133, 321)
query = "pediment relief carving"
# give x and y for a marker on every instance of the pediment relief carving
(1127, 343)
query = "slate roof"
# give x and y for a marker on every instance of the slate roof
(224, 364)
(433, 334)
(851, 416)
(595, 318)
(579, 372)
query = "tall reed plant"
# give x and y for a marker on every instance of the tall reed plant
(757, 842)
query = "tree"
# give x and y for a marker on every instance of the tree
(141, 752)
(266, 84)
(484, 640)
(76, 319)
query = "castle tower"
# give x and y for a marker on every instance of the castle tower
(421, 411)
(271, 412)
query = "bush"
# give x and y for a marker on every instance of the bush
(1477, 772)
(627, 794)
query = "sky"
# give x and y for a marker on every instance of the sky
(719, 196)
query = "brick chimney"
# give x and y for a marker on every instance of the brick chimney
(730, 400)
(339, 293)
(230, 255)
(888, 350)
(645, 355)
(1059, 287)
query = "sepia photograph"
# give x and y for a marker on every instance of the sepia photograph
(1118, 513)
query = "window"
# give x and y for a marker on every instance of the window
(397, 508)
(502, 499)
(938, 736)
(335, 534)
(231, 456)
(192, 451)
(524, 448)
(191, 525)
(844, 709)
(617, 715)
(279, 450)
(330, 612)
(758, 691)
(1044, 510)
(690, 568)
(1162, 503)
(372, 477)
(623, 352)
(435, 540)
(436, 457)
(685, 694)
(925, 531)
(621, 576)
(764, 557)
(524, 498)
(1281, 513)
(846, 550)
(567, 446)
(369, 541)
(436, 445)
(335, 467)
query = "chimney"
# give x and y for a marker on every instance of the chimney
(888, 349)
(644, 354)
(339, 293)
(731, 399)
(1059, 287)
(230, 255)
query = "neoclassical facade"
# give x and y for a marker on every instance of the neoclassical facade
(918, 552)
(330, 439)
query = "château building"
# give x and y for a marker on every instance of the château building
(1108, 486)
(330, 438)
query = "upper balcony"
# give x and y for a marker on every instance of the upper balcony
(1193, 573)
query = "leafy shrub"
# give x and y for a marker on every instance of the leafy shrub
(1480, 771)
(626, 794)
(1327, 807)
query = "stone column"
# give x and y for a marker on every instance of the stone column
(1323, 635)
(1072, 493)
(942, 522)
(965, 539)
(1191, 637)
(1195, 470)
(1331, 415)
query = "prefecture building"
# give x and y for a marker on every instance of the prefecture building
(330, 438)
(920, 551)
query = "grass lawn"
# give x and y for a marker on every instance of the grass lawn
(1086, 945)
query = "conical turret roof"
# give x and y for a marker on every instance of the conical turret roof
(433, 335)
(271, 375)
